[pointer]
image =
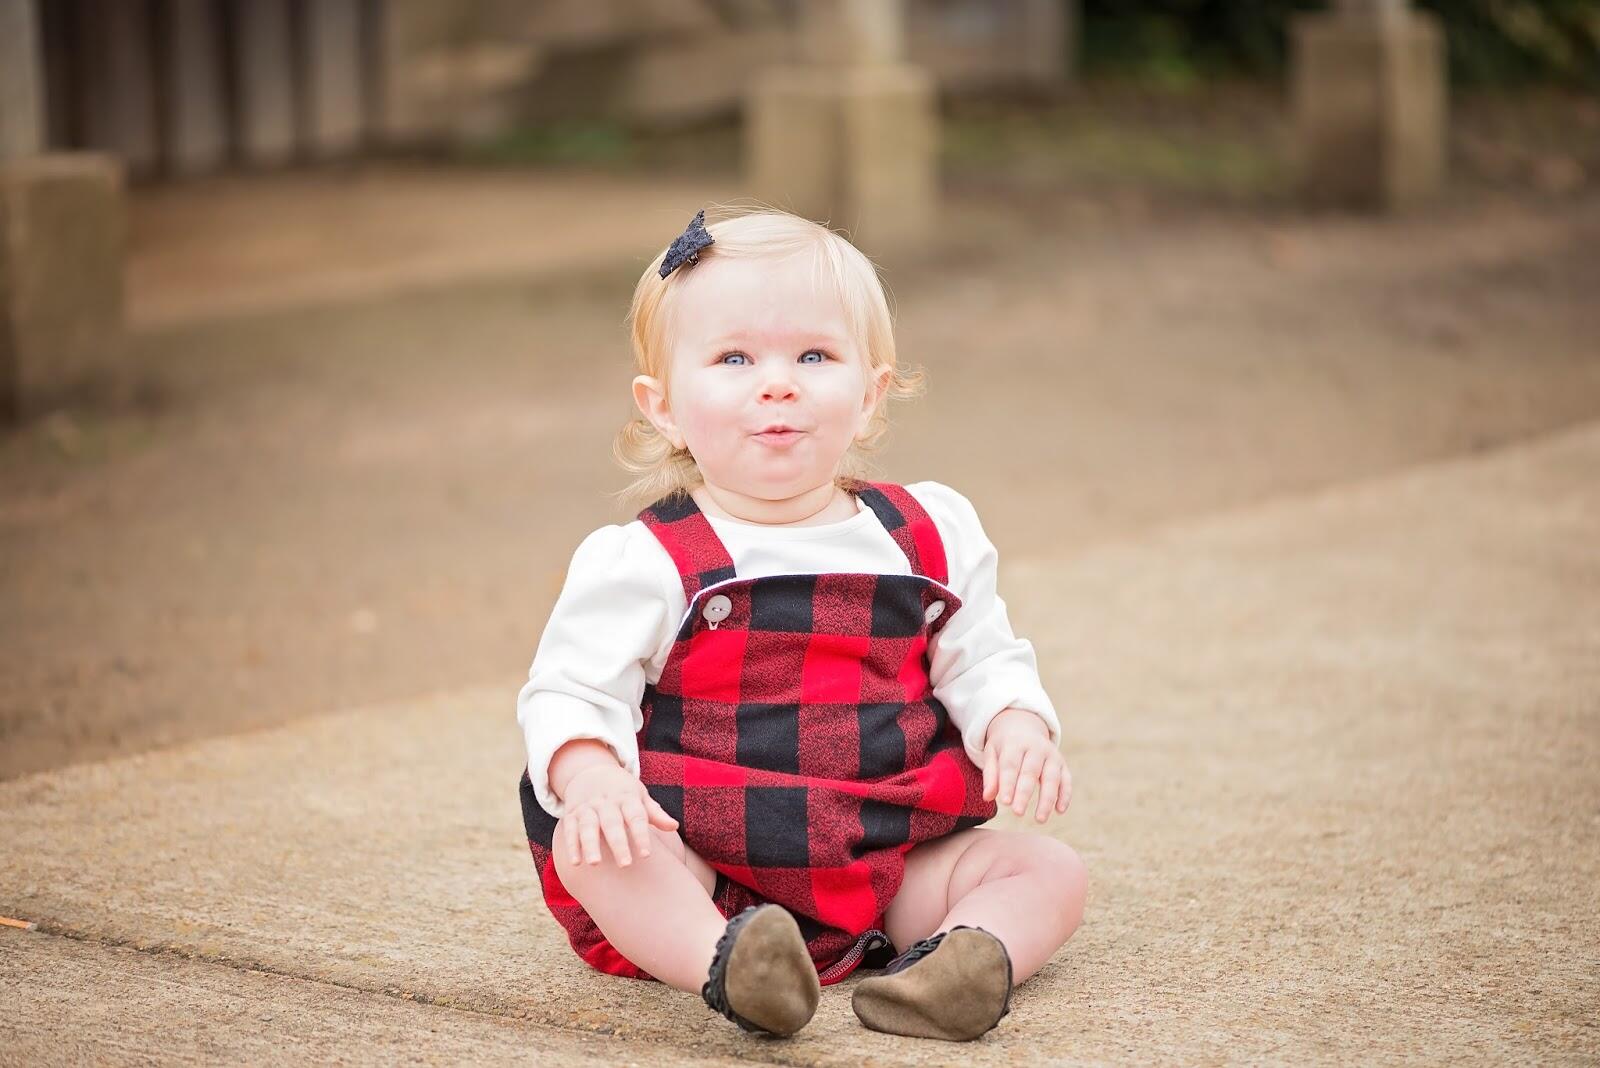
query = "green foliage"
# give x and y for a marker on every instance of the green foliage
(581, 142)
(1212, 141)
(1491, 42)
(1495, 42)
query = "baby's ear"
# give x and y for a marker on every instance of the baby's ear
(885, 375)
(650, 394)
(877, 385)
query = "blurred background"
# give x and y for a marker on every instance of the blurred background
(311, 311)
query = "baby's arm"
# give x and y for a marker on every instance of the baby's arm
(575, 756)
(614, 846)
(611, 620)
(986, 677)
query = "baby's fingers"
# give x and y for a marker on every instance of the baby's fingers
(1049, 790)
(638, 825)
(1027, 779)
(660, 816)
(991, 773)
(589, 835)
(569, 832)
(1010, 763)
(616, 834)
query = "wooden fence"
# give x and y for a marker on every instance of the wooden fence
(184, 87)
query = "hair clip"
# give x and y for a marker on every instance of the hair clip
(686, 248)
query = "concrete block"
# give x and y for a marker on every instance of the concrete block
(62, 232)
(1049, 35)
(792, 141)
(334, 97)
(196, 125)
(856, 148)
(1369, 105)
(891, 164)
(852, 33)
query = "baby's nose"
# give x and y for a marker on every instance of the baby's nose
(778, 387)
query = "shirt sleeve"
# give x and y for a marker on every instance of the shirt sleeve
(613, 618)
(978, 667)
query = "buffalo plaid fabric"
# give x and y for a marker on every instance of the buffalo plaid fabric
(794, 735)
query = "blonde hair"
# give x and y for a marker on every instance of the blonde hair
(749, 234)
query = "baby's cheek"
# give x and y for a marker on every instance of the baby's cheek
(696, 434)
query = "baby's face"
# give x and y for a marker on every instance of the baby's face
(758, 344)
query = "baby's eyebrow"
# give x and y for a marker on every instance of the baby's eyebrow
(744, 336)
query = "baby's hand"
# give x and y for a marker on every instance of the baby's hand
(1018, 756)
(606, 797)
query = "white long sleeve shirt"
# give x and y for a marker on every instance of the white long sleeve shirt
(614, 623)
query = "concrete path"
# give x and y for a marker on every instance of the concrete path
(84, 1002)
(1338, 786)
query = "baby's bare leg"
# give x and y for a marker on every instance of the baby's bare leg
(656, 911)
(1025, 889)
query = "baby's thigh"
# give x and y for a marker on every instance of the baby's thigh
(662, 843)
(927, 891)
(673, 843)
(942, 872)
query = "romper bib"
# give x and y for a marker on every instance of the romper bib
(795, 737)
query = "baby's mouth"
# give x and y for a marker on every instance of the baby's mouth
(779, 437)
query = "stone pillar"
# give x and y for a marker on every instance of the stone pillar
(120, 116)
(333, 104)
(265, 121)
(850, 135)
(1048, 52)
(61, 252)
(61, 239)
(1369, 104)
(196, 124)
(21, 81)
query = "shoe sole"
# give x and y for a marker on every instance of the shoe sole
(770, 978)
(956, 993)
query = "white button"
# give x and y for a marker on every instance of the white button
(934, 611)
(717, 609)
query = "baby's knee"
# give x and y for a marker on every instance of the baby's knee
(1060, 864)
(668, 843)
(568, 841)
(561, 849)
(1061, 860)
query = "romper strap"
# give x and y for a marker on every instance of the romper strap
(701, 558)
(909, 525)
(683, 530)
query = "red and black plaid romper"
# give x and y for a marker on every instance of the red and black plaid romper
(794, 736)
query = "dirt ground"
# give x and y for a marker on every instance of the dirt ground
(328, 502)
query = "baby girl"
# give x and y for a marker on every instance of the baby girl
(768, 717)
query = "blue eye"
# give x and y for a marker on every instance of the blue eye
(729, 355)
(814, 352)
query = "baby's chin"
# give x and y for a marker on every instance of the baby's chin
(773, 488)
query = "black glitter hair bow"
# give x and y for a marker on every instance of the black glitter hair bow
(686, 248)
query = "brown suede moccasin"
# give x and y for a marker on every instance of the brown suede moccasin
(955, 986)
(761, 976)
